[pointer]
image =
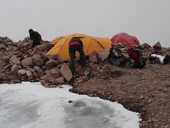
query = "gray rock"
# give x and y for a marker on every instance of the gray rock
(29, 74)
(27, 62)
(22, 71)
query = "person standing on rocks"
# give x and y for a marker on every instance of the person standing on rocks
(76, 44)
(35, 37)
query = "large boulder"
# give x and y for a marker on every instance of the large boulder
(66, 72)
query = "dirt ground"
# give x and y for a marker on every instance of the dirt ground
(146, 91)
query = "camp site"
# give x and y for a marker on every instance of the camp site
(84, 64)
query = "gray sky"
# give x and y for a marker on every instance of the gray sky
(149, 20)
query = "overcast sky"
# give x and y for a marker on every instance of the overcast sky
(149, 20)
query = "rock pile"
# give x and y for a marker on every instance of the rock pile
(20, 62)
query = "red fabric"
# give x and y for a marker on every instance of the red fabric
(134, 55)
(74, 43)
(125, 39)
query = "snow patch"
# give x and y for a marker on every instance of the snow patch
(30, 105)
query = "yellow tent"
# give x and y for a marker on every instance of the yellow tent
(90, 44)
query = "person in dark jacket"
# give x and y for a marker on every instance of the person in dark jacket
(76, 44)
(35, 37)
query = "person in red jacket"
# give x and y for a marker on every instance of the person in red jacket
(76, 44)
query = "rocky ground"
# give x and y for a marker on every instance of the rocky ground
(146, 91)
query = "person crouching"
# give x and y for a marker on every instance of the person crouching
(76, 44)
(35, 37)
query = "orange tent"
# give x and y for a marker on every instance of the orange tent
(90, 44)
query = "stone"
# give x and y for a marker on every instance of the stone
(37, 59)
(27, 62)
(2, 77)
(39, 71)
(93, 57)
(146, 46)
(14, 69)
(54, 57)
(1, 40)
(29, 74)
(66, 72)
(157, 46)
(104, 54)
(2, 46)
(39, 62)
(51, 63)
(26, 44)
(13, 78)
(14, 60)
(60, 80)
(52, 80)
(46, 77)
(55, 71)
(22, 71)
(45, 46)
(93, 67)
